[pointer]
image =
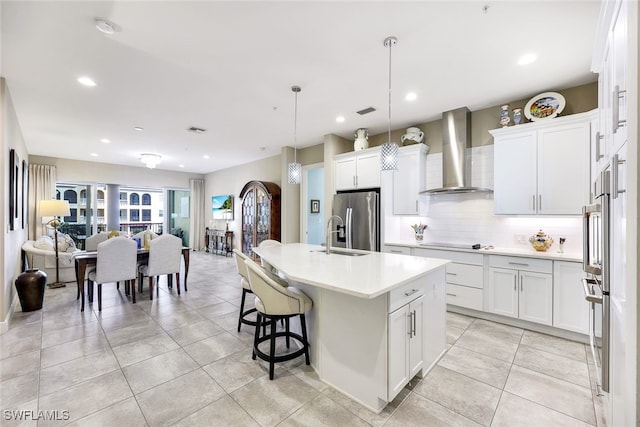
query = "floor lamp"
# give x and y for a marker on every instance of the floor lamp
(56, 209)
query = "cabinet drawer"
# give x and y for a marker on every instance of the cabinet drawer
(465, 274)
(525, 264)
(464, 296)
(455, 256)
(404, 295)
(404, 250)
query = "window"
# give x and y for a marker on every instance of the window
(146, 215)
(71, 196)
(83, 212)
(123, 214)
(57, 194)
(161, 213)
(134, 199)
(100, 195)
(123, 196)
(101, 213)
(74, 215)
(146, 199)
(134, 214)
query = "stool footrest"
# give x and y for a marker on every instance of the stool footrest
(283, 358)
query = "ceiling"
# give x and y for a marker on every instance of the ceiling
(228, 67)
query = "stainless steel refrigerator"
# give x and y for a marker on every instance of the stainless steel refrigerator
(360, 213)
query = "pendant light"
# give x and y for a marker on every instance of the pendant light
(294, 172)
(389, 150)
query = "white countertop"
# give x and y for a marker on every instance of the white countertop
(366, 276)
(551, 254)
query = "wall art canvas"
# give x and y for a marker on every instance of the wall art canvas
(222, 207)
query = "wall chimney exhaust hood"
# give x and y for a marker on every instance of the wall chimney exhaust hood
(456, 154)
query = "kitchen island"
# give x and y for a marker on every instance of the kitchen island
(377, 320)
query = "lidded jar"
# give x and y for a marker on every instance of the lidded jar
(540, 241)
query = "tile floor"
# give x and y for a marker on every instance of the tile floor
(179, 361)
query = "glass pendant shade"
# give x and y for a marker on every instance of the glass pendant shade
(294, 173)
(389, 156)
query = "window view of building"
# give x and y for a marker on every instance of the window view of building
(85, 212)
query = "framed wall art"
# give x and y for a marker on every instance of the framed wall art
(222, 207)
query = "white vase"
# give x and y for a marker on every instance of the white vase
(362, 141)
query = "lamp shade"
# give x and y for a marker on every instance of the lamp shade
(54, 208)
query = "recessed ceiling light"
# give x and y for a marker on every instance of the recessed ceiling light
(180, 166)
(411, 96)
(105, 140)
(527, 58)
(138, 128)
(206, 156)
(94, 154)
(340, 119)
(106, 26)
(86, 81)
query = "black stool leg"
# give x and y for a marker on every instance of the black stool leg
(272, 348)
(244, 294)
(286, 328)
(303, 324)
(256, 335)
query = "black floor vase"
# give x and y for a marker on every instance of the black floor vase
(30, 286)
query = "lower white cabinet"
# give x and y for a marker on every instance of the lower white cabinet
(406, 348)
(524, 291)
(570, 309)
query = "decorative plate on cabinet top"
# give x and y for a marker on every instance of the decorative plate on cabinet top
(544, 106)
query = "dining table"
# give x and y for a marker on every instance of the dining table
(90, 258)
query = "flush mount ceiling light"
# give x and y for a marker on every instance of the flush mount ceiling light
(340, 119)
(411, 96)
(86, 81)
(389, 150)
(106, 26)
(105, 141)
(150, 160)
(138, 128)
(294, 170)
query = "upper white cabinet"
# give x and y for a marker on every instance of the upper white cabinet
(543, 167)
(359, 169)
(409, 179)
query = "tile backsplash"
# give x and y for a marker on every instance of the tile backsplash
(468, 217)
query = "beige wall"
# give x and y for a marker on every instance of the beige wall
(89, 172)
(11, 243)
(578, 100)
(231, 181)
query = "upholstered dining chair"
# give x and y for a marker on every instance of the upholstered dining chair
(273, 303)
(165, 254)
(116, 261)
(91, 244)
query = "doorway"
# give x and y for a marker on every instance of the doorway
(312, 204)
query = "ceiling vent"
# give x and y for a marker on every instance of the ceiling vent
(196, 130)
(366, 111)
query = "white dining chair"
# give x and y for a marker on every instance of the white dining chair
(266, 265)
(116, 261)
(91, 244)
(165, 254)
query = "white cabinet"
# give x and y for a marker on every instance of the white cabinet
(464, 276)
(521, 288)
(405, 344)
(531, 159)
(570, 309)
(360, 169)
(409, 179)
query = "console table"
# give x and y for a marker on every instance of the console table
(220, 242)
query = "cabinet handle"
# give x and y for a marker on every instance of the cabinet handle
(356, 180)
(615, 114)
(518, 263)
(615, 176)
(409, 332)
(414, 323)
(452, 274)
(452, 295)
(353, 179)
(515, 283)
(539, 202)
(533, 202)
(393, 251)
(520, 283)
(411, 292)
(416, 206)
(599, 137)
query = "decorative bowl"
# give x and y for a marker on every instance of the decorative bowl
(540, 241)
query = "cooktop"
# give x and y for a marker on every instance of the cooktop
(453, 245)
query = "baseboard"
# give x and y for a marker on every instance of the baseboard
(4, 325)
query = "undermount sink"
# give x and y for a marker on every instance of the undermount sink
(339, 252)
